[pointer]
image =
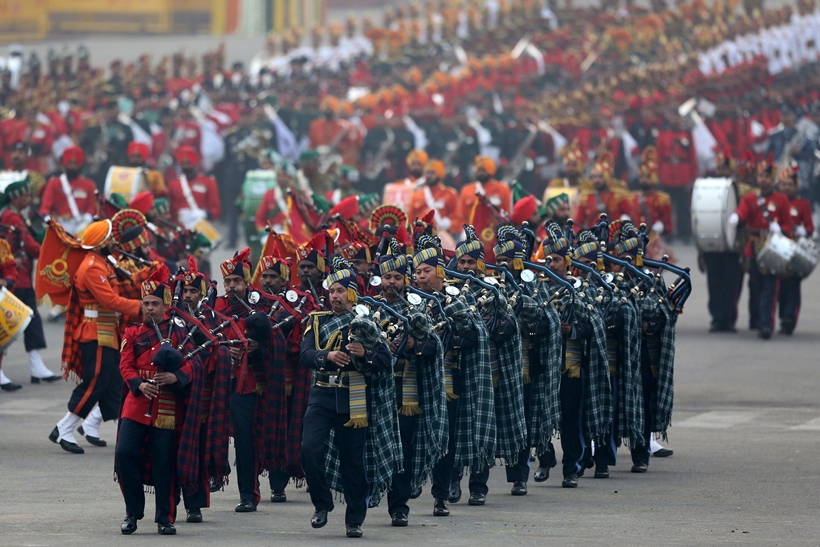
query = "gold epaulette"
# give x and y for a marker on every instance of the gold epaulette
(315, 321)
(663, 198)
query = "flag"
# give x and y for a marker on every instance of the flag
(60, 256)
(281, 245)
(303, 221)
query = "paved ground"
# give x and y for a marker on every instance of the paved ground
(746, 434)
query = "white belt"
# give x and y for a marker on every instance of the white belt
(90, 313)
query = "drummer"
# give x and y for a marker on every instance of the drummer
(800, 213)
(194, 197)
(764, 212)
(138, 155)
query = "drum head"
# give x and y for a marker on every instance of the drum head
(713, 202)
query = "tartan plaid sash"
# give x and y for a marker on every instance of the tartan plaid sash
(545, 400)
(628, 365)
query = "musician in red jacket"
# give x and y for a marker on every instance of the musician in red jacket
(803, 226)
(763, 212)
(650, 206)
(604, 198)
(193, 196)
(153, 408)
(70, 198)
(678, 169)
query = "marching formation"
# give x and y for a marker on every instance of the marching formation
(369, 360)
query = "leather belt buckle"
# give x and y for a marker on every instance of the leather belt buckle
(333, 379)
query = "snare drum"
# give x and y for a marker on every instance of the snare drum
(14, 318)
(207, 229)
(713, 202)
(126, 181)
(776, 254)
(805, 257)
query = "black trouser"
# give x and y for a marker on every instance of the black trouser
(130, 443)
(243, 408)
(766, 297)
(520, 471)
(640, 454)
(681, 210)
(754, 296)
(399, 494)
(33, 336)
(319, 420)
(102, 382)
(573, 442)
(606, 453)
(789, 301)
(443, 470)
(202, 497)
(724, 278)
(279, 478)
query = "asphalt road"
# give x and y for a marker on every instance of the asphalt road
(746, 432)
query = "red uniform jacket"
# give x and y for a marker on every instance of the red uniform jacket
(800, 211)
(139, 344)
(187, 133)
(677, 160)
(591, 205)
(254, 375)
(657, 205)
(22, 245)
(54, 199)
(269, 210)
(751, 214)
(204, 191)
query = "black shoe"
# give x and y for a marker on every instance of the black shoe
(601, 471)
(787, 328)
(47, 379)
(74, 448)
(477, 498)
(319, 518)
(96, 441)
(166, 529)
(663, 453)
(415, 492)
(541, 474)
(354, 530)
(570, 481)
(193, 515)
(372, 503)
(640, 468)
(213, 486)
(519, 488)
(11, 386)
(54, 435)
(129, 525)
(278, 496)
(722, 328)
(399, 519)
(764, 334)
(440, 508)
(754, 326)
(455, 493)
(245, 506)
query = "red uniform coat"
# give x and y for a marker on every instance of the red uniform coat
(204, 191)
(269, 210)
(54, 200)
(751, 214)
(139, 344)
(800, 211)
(24, 247)
(591, 205)
(657, 205)
(677, 160)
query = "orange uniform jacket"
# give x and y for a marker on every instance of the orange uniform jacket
(469, 201)
(443, 195)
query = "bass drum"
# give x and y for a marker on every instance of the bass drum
(776, 254)
(14, 318)
(713, 202)
(126, 181)
(806, 254)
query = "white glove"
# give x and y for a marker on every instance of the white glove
(774, 227)
(444, 224)
(734, 219)
(800, 231)
(658, 227)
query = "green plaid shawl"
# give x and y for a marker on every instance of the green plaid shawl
(630, 391)
(653, 310)
(511, 426)
(597, 389)
(545, 368)
(432, 432)
(475, 422)
(383, 455)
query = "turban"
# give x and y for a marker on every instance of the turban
(417, 155)
(508, 244)
(471, 246)
(275, 263)
(312, 251)
(437, 166)
(193, 277)
(157, 285)
(356, 250)
(142, 149)
(344, 275)
(624, 239)
(428, 251)
(588, 248)
(239, 265)
(142, 202)
(187, 153)
(485, 162)
(74, 153)
(346, 208)
(555, 242)
(523, 210)
(161, 205)
(13, 184)
(96, 234)
(394, 261)
(556, 202)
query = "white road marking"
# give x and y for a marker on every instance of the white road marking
(718, 419)
(811, 425)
